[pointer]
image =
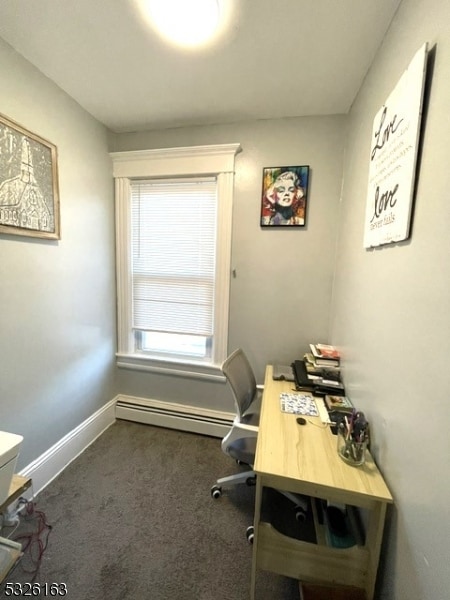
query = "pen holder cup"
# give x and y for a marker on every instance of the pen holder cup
(352, 452)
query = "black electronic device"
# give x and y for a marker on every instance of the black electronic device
(302, 381)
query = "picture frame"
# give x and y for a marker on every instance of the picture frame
(29, 194)
(393, 156)
(284, 196)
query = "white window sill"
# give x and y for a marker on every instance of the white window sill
(168, 367)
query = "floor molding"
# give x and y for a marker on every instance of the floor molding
(140, 410)
(52, 462)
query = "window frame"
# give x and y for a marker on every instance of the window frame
(196, 161)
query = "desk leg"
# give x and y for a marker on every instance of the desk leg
(374, 538)
(256, 519)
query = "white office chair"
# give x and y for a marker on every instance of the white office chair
(240, 441)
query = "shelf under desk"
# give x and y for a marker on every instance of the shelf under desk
(303, 459)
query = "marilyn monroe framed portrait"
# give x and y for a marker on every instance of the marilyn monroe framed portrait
(284, 196)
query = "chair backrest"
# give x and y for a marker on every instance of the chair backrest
(241, 378)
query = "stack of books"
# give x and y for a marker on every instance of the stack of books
(323, 369)
(325, 355)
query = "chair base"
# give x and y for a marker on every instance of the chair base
(300, 504)
(248, 477)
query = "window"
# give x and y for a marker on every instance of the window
(173, 211)
(173, 240)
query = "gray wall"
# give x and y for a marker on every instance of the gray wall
(57, 298)
(281, 294)
(391, 315)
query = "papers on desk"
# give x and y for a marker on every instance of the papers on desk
(298, 404)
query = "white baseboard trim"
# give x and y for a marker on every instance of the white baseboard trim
(50, 464)
(140, 410)
(174, 416)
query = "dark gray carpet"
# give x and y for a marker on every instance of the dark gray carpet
(132, 518)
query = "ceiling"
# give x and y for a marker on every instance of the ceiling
(277, 58)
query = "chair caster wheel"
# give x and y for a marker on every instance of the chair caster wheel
(300, 514)
(250, 481)
(250, 534)
(216, 491)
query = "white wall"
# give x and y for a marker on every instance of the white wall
(280, 297)
(57, 298)
(391, 315)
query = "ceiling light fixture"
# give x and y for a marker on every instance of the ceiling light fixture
(187, 23)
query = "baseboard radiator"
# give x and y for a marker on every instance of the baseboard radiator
(174, 416)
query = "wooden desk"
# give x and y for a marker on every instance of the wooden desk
(304, 460)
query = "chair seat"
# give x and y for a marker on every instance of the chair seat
(243, 449)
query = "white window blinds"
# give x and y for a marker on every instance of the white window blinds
(173, 255)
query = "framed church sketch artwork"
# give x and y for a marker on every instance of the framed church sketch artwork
(393, 157)
(29, 197)
(284, 196)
